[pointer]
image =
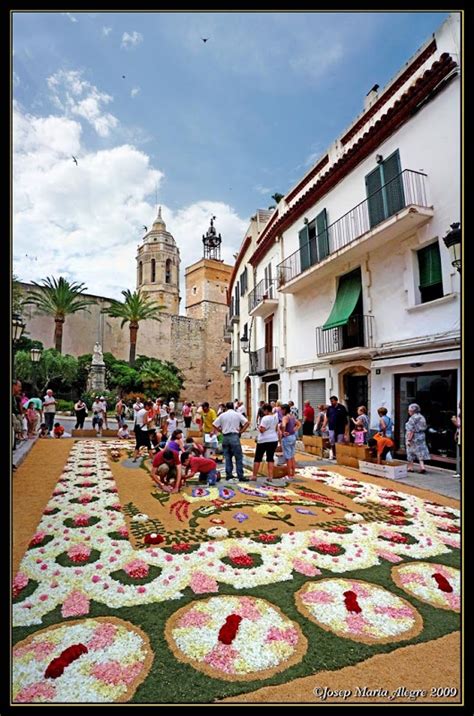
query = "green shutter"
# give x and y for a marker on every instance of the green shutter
(393, 184)
(322, 235)
(348, 294)
(373, 185)
(429, 262)
(304, 248)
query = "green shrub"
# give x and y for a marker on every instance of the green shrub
(64, 406)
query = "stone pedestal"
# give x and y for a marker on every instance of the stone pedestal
(96, 380)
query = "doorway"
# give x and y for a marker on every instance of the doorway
(356, 391)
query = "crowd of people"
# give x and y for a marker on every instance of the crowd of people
(278, 425)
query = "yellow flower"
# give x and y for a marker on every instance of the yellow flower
(265, 509)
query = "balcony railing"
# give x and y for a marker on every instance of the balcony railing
(264, 289)
(406, 189)
(233, 360)
(234, 311)
(263, 361)
(357, 333)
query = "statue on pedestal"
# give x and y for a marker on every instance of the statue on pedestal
(96, 380)
(98, 356)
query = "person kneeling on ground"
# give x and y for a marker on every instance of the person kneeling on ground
(206, 467)
(194, 448)
(380, 446)
(43, 431)
(58, 430)
(166, 470)
(123, 432)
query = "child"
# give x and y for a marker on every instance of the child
(58, 430)
(32, 419)
(204, 465)
(195, 448)
(380, 446)
(359, 433)
(361, 417)
(172, 423)
(123, 432)
(43, 431)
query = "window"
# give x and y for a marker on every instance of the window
(153, 270)
(140, 273)
(243, 279)
(314, 241)
(384, 188)
(168, 271)
(237, 299)
(429, 265)
(194, 290)
(268, 281)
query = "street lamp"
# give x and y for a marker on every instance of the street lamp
(224, 367)
(452, 242)
(244, 343)
(35, 355)
(18, 326)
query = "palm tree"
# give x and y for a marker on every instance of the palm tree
(59, 298)
(134, 309)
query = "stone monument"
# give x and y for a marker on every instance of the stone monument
(96, 380)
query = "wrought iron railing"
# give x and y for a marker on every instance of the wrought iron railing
(407, 188)
(266, 288)
(358, 332)
(263, 361)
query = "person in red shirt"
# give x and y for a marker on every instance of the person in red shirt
(166, 470)
(206, 467)
(58, 430)
(380, 446)
(308, 418)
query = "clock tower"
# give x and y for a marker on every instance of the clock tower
(212, 243)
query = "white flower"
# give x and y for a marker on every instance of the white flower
(140, 517)
(217, 532)
(353, 517)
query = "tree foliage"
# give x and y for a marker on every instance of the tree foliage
(54, 370)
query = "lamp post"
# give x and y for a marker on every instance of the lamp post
(452, 241)
(35, 355)
(18, 326)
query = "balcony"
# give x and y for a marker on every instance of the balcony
(234, 313)
(233, 361)
(396, 209)
(263, 361)
(355, 339)
(263, 300)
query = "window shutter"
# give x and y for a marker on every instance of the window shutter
(392, 179)
(322, 235)
(304, 248)
(429, 262)
(373, 185)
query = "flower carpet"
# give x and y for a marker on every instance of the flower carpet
(129, 594)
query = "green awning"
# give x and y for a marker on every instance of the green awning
(346, 300)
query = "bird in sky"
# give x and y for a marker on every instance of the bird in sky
(123, 77)
(145, 227)
(204, 39)
(74, 159)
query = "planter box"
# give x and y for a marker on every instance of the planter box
(194, 434)
(278, 470)
(315, 444)
(349, 454)
(394, 469)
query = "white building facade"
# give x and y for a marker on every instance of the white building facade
(355, 293)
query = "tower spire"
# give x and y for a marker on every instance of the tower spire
(159, 223)
(212, 242)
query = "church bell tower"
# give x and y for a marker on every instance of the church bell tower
(158, 266)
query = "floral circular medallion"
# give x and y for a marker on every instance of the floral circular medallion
(235, 638)
(358, 610)
(89, 660)
(432, 583)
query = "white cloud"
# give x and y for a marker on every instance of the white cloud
(135, 91)
(316, 60)
(71, 17)
(265, 191)
(85, 221)
(16, 79)
(106, 31)
(75, 96)
(131, 40)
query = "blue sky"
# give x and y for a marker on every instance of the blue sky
(211, 128)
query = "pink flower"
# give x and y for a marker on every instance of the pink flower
(202, 583)
(84, 499)
(76, 604)
(389, 556)
(318, 598)
(19, 583)
(306, 568)
(248, 610)
(112, 672)
(102, 637)
(81, 520)
(356, 623)
(222, 657)
(137, 569)
(289, 635)
(37, 538)
(123, 531)
(79, 553)
(194, 618)
(40, 691)
(394, 612)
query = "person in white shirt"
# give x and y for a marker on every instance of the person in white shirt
(232, 424)
(123, 432)
(142, 435)
(104, 411)
(171, 405)
(267, 441)
(172, 423)
(49, 409)
(241, 408)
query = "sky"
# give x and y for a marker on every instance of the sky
(156, 116)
